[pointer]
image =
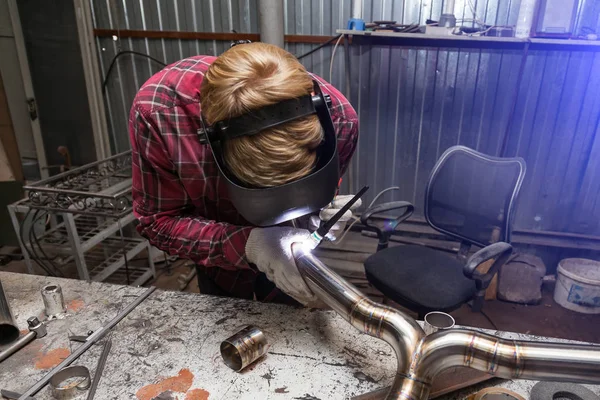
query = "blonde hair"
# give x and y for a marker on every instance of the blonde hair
(251, 76)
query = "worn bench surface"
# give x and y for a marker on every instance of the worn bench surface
(171, 343)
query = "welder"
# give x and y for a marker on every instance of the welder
(232, 155)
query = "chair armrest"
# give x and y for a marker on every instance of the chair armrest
(500, 251)
(385, 229)
(393, 205)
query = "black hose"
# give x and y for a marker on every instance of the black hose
(489, 320)
(21, 231)
(121, 53)
(318, 47)
(32, 254)
(37, 241)
(54, 271)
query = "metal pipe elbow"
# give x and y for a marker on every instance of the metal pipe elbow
(398, 329)
(401, 332)
(508, 359)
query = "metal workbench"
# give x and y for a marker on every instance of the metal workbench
(171, 341)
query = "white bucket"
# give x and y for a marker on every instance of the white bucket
(578, 285)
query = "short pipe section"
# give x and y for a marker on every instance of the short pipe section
(54, 303)
(437, 320)
(244, 347)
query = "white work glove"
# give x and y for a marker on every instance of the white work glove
(270, 249)
(330, 210)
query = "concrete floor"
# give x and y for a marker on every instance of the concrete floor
(545, 319)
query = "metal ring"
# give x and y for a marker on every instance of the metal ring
(437, 320)
(69, 390)
(497, 393)
(563, 390)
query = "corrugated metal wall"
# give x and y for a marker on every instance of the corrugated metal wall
(413, 103)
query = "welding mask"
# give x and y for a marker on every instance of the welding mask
(264, 206)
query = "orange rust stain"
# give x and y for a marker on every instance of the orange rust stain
(52, 358)
(197, 394)
(24, 331)
(75, 305)
(180, 383)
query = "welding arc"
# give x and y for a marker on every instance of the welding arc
(324, 229)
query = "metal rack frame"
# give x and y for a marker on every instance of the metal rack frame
(94, 205)
(101, 188)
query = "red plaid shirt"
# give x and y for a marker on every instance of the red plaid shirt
(178, 196)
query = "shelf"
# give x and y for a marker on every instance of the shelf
(98, 249)
(423, 36)
(421, 39)
(91, 230)
(106, 258)
(137, 276)
(118, 207)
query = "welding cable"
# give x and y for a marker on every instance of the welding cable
(124, 246)
(308, 53)
(333, 57)
(27, 250)
(32, 234)
(37, 241)
(489, 319)
(33, 253)
(29, 253)
(121, 53)
(348, 229)
(356, 219)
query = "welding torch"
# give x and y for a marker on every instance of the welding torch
(317, 236)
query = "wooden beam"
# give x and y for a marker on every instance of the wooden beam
(223, 36)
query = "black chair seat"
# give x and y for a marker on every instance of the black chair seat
(420, 278)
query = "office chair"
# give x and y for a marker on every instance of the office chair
(470, 197)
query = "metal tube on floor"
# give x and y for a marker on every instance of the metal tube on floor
(9, 332)
(99, 334)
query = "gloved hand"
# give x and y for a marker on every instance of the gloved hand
(270, 249)
(330, 210)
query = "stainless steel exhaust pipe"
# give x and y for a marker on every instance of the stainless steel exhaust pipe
(421, 358)
(395, 327)
(8, 328)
